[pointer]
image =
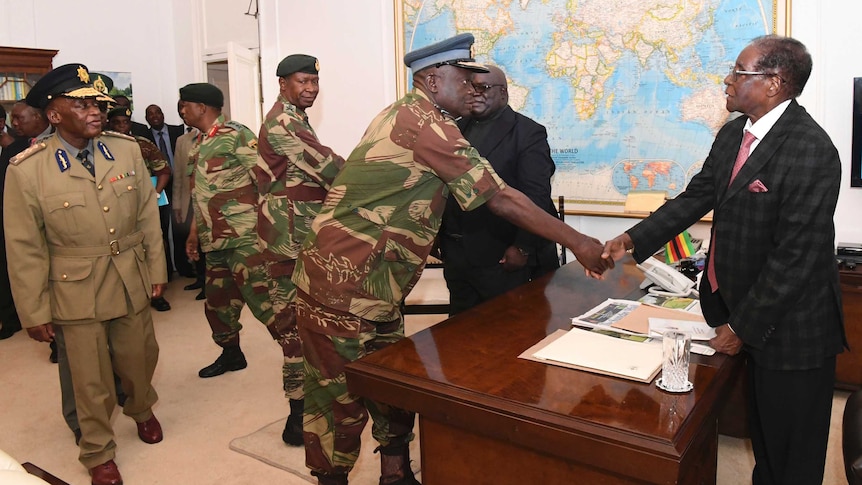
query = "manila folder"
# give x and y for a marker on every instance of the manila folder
(594, 352)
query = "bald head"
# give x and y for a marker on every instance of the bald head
(491, 93)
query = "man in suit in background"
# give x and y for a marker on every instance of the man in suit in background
(484, 255)
(165, 137)
(771, 287)
(182, 204)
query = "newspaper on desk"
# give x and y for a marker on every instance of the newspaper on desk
(649, 319)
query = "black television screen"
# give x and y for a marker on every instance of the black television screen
(856, 164)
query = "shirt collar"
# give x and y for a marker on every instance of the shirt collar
(767, 121)
(72, 150)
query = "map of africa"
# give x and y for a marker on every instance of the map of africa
(630, 91)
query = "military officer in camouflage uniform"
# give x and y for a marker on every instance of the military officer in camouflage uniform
(85, 253)
(294, 171)
(369, 244)
(225, 201)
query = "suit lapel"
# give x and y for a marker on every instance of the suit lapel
(761, 155)
(76, 168)
(103, 166)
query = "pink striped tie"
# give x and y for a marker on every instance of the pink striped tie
(741, 157)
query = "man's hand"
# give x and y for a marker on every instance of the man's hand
(513, 259)
(42, 333)
(589, 254)
(616, 248)
(725, 341)
(192, 246)
(159, 290)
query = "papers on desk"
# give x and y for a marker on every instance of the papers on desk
(631, 317)
(602, 354)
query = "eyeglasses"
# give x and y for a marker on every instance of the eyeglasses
(734, 74)
(481, 88)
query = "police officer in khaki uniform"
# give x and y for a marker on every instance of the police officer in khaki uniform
(85, 253)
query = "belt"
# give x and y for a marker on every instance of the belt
(114, 247)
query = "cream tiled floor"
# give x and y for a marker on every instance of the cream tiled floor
(201, 416)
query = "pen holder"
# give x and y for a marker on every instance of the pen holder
(676, 353)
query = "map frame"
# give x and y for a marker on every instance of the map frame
(781, 24)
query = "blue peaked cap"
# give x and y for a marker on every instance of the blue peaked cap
(454, 51)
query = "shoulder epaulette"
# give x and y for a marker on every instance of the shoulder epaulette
(235, 125)
(117, 134)
(34, 148)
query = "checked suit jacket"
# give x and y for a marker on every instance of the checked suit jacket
(773, 248)
(518, 151)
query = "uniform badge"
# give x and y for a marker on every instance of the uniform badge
(105, 152)
(316, 65)
(83, 75)
(62, 159)
(99, 84)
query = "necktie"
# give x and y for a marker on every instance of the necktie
(84, 157)
(741, 157)
(164, 147)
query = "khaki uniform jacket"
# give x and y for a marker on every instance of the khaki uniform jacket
(181, 184)
(63, 228)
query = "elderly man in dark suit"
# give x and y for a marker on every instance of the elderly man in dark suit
(484, 254)
(771, 287)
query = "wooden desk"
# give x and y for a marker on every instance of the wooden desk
(848, 366)
(487, 417)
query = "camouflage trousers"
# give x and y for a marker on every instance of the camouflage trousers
(334, 418)
(239, 276)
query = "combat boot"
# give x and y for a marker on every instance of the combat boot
(334, 479)
(395, 465)
(292, 433)
(231, 359)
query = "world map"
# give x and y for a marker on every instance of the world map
(630, 91)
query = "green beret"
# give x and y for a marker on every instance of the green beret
(70, 80)
(119, 111)
(101, 82)
(297, 63)
(204, 93)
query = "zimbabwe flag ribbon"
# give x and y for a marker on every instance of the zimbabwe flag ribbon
(678, 248)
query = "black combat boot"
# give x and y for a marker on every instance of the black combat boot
(334, 479)
(292, 433)
(395, 465)
(231, 359)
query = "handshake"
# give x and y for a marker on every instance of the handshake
(597, 258)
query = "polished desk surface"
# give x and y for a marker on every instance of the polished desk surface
(465, 372)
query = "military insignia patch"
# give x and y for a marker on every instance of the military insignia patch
(316, 65)
(99, 84)
(122, 176)
(83, 75)
(62, 159)
(105, 152)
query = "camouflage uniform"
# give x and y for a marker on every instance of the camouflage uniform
(225, 206)
(153, 157)
(293, 172)
(365, 252)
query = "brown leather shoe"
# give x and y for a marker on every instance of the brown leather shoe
(106, 474)
(150, 431)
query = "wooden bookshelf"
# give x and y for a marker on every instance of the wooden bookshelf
(20, 68)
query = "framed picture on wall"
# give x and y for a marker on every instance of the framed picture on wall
(856, 162)
(632, 97)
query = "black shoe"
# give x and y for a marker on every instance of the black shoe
(194, 286)
(292, 433)
(160, 304)
(53, 356)
(201, 296)
(231, 359)
(9, 330)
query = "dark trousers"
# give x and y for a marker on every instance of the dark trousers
(180, 232)
(165, 220)
(8, 313)
(789, 414)
(470, 285)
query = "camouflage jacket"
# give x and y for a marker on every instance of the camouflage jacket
(294, 171)
(368, 246)
(225, 194)
(155, 160)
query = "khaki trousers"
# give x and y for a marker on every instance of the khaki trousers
(135, 355)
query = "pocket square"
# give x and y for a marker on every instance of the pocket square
(757, 186)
